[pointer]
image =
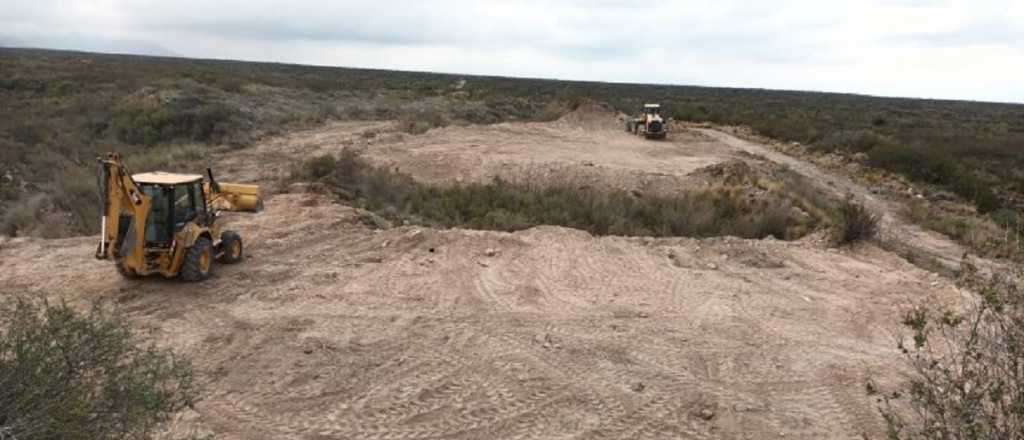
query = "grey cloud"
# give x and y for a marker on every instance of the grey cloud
(770, 43)
(9, 41)
(992, 32)
(89, 43)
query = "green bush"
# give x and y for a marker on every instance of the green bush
(858, 141)
(68, 375)
(148, 123)
(936, 168)
(967, 380)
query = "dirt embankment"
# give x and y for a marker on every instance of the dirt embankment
(333, 329)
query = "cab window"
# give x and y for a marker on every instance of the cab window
(199, 202)
(184, 206)
(156, 224)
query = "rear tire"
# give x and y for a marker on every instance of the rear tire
(198, 261)
(230, 247)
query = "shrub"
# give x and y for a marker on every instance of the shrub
(508, 206)
(147, 123)
(26, 134)
(857, 141)
(967, 380)
(854, 222)
(71, 375)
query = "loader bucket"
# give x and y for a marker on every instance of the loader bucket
(239, 197)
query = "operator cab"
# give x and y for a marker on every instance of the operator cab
(652, 109)
(177, 199)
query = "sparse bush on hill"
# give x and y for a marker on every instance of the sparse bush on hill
(854, 222)
(967, 380)
(1000, 236)
(855, 141)
(507, 206)
(149, 123)
(66, 375)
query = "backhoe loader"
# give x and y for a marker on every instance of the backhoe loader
(165, 223)
(650, 124)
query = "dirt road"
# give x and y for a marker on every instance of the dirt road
(333, 330)
(930, 244)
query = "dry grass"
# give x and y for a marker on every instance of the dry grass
(982, 235)
(854, 223)
(511, 206)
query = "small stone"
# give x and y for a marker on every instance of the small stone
(307, 350)
(490, 252)
(707, 414)
(638, 387)
(712, 266)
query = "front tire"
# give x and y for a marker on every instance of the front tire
(198, 261)
(230, 247)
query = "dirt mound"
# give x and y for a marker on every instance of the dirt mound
(730, 172)
(592, 116)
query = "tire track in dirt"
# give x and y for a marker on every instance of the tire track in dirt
(332, 329)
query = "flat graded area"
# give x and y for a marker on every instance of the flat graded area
(332, 329)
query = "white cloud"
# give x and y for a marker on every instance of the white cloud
(940, 49)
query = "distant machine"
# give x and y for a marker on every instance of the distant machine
(649, 124)
(165, 223)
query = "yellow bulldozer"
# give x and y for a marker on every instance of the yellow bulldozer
(166, 223)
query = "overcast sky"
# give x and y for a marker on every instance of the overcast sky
(917, 48)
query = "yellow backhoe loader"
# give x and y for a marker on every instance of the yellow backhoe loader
(164, 223)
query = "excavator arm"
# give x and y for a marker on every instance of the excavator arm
(125, 209)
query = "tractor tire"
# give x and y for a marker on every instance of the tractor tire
(125, 272)
(230, 247)
(198, 261)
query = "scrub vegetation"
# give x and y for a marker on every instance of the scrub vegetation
(61, 109)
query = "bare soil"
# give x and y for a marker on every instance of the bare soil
(333, 329)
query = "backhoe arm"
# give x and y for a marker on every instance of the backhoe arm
(125, 210)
